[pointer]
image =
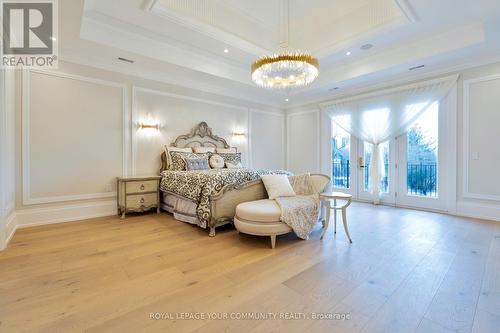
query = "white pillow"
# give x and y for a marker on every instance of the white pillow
(203, 150)
(277, 186)
(216, 162)
(227, 150)
(181, 150)
(231, 165)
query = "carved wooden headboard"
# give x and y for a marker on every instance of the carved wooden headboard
(200, 135)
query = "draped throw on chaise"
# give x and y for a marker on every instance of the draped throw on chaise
(380, 115)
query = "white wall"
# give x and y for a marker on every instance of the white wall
(261, 147)
(73, 132)
(478, 182)
(3, 155)
(303, 141)
(7, 156)
(482, 118)
(267, 137)
(177, 114)
(76, 130)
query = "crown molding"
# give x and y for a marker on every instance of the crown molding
(208, 30)
(105, 30)
(406, 9)
(367, 87)
(149, 4)
(411, 85)
(178, 81)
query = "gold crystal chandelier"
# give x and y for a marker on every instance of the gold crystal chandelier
(287, 69)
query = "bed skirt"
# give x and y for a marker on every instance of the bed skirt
(183, 209)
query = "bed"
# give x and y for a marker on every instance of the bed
(208, 198)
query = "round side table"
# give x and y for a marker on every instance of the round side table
(327, 198)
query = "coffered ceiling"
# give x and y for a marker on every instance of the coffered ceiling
(183, 41)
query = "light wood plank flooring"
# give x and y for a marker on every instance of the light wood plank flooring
(407, 271)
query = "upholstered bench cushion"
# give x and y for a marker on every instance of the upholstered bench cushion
(259, 211)
(261, 228)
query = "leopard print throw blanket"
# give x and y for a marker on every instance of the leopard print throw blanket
(301, 212)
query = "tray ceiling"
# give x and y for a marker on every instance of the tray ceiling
(183, 41)
(314, 24)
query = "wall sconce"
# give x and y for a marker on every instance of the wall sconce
(149, 126)
(238, 134)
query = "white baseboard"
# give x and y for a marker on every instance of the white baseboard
(10, 227)
(56, 214)
(64, 213)
(473, 210)
(482, 211)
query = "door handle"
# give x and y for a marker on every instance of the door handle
(361, 163)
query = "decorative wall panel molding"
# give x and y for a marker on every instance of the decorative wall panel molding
(26, 163)
(467, 193)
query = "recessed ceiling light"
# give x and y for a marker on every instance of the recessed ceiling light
(366, 46)
(226, 50)
(348, 53)
(416, 67)
(286, 99)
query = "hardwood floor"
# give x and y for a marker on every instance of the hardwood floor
(406, 271)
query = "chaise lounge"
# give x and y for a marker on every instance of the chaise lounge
(262, 217)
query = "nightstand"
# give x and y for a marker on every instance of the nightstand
(138, 194)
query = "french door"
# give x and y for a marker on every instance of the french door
(414, 165)
(421, 163)
(388, 181)
(343, 166)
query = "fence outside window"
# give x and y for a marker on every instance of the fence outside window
(421, 177)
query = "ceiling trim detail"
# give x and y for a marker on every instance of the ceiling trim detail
(149, 4)
(406, 9)
(100, 31)
(224, 36)
(247, 14)
(206, 29)
(178, 81)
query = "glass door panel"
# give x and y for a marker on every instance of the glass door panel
(341, 160)
(365, 153)
(420, 173)
(422, 155)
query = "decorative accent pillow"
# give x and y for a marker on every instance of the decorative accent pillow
(196, 164)
(216, 161)
(231, 165)
(234, 158)
(227, 150)
(202, 150)
(277, 186)
(168, 150)
(179, 159)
